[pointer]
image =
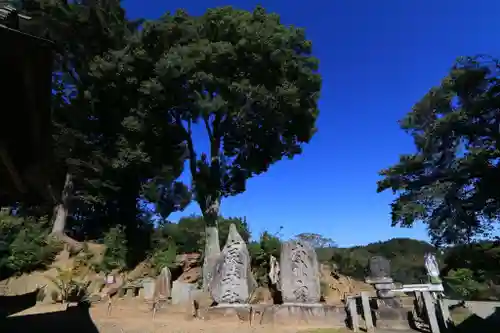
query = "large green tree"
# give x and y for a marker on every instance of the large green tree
(243, 77)
(449, 183)
(110, 154)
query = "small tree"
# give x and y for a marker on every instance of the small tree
(115, 256)
(317, 241)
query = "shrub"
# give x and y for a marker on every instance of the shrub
(164, 257)
(115, 256)
(72, 287)
(260, 252)
(25, 245)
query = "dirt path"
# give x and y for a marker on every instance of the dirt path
(135, 317)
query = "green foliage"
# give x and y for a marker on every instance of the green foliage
(24, 245)
(125, 101)
(247, 79)
(116, 250)
(260, 253)
(70, 285)
(462, 284)
(317, 241)
(189, 233)
(164, 257)
(472, 271)
(406, 256)
(324, 246)
(449, 183)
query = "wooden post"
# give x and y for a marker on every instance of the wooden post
(430, 310)
(353, 312)
(444, 312)
(367, 311)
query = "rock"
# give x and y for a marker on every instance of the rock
(299, 276)
(181, 292)
(163, 284)
(187, 260)
(148, 286)
(232, 280)
(274, 270)
(190, 265)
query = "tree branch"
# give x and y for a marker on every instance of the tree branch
(214, 135)
(209, 130)
(189, 140)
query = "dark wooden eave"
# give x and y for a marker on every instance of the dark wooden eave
(25, 119)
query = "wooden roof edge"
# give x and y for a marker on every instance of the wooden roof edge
(34, 38)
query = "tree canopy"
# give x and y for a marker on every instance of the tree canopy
(449, 183)
(244, 77)
(128, 95)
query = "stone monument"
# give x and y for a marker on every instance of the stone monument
(380, 276)
(299, 273)
(232, 280)
(389, 312)
(298, 279)
(274, 270)
(432, 268)
(163, 284)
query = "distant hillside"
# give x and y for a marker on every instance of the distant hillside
(406, 256)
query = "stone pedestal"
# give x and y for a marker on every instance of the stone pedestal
(299, 313)
(284, 314)
(390, 314)
(230, 312)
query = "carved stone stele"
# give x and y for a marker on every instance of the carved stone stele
(299, 273)
(232, 280)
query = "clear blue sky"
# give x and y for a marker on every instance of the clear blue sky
(377, 58)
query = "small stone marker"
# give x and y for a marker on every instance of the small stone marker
(181, 292)
(148, 286)
(162, 284)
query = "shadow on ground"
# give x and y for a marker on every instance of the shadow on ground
(14, 304)
(75, 319)
(474, 323)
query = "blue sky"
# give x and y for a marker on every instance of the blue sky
(377, 58)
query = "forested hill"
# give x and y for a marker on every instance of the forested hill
(406, 256)
(469, 271)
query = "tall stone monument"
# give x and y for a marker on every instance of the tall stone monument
(299, 273)
(232, 280)
(212, 252)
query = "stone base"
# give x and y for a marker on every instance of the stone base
(318, 314)
(236, 312)
(392, 318)
(283, 314)
(378, 280)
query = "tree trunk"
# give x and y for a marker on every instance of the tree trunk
(61, 212)
(212, 245)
